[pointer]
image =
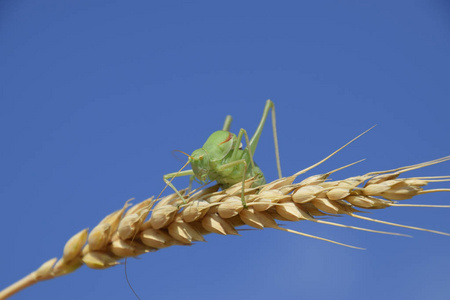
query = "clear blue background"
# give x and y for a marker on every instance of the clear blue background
(96, 94)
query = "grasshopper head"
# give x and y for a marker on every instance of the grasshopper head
(217, 146)
(200, 164)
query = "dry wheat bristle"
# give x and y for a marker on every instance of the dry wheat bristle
(152, 225)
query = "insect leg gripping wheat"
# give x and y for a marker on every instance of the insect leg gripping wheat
(240, 197)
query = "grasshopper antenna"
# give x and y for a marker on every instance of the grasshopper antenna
(151, 204)
(173, 152)
(128, 281)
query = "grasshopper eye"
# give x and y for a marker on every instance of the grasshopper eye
(201, 157)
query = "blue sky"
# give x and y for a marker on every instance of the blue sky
(95, 95)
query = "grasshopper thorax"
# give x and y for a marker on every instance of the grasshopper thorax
(219, 144)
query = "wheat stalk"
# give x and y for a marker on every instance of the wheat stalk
(129, 232)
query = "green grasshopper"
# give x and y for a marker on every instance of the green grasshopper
(222, 158)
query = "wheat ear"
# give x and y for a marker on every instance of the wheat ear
(129, 232)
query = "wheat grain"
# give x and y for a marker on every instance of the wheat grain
(127, 233)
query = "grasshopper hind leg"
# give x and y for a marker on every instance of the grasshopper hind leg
(270, 106)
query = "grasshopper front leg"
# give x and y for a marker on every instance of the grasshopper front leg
(233, 164)
(238, 158)
(178, 174)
